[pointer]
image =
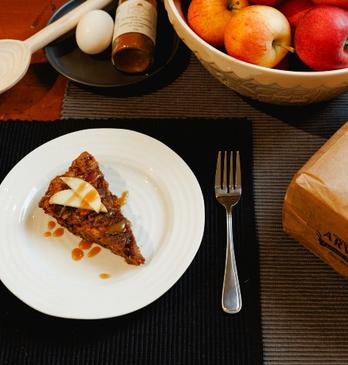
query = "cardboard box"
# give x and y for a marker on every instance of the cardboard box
(315, 210)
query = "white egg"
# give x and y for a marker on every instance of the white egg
(94, 31)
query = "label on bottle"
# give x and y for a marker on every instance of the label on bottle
(137, 16)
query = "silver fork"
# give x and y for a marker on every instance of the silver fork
(228, 190)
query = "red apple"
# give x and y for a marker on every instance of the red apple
(340, 3)
(208, 18)
(258, 34)
(321, 38)
(295, 9)
(266, 2)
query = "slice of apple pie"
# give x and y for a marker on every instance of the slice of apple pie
(80, 201)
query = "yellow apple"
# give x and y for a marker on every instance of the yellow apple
(258, 34)
(208, 18)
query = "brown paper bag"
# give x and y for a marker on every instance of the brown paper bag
(315, 210)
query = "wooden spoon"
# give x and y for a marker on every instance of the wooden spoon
(15, 55)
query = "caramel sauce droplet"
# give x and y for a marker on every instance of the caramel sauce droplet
(47, 234)
(94, 251)
(85, 245)
(77, 254)
(122, 200)
(104, 276)
(58, 232)
(51, 224)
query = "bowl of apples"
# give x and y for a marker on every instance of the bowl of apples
(286, 52)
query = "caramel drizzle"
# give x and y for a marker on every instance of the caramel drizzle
(94, 251)
(77, 254)
(85, 245)
(85, 200)
(58, 232)
(104, 276)
(122, 200)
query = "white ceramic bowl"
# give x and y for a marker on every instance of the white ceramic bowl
(260, 83)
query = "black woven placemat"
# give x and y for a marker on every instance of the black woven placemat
(184, 326)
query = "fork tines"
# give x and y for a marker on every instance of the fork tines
(228, 173)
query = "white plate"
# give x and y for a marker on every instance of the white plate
(165, 204)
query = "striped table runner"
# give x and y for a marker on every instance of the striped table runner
(303, 300)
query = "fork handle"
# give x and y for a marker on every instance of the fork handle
(231, 296)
